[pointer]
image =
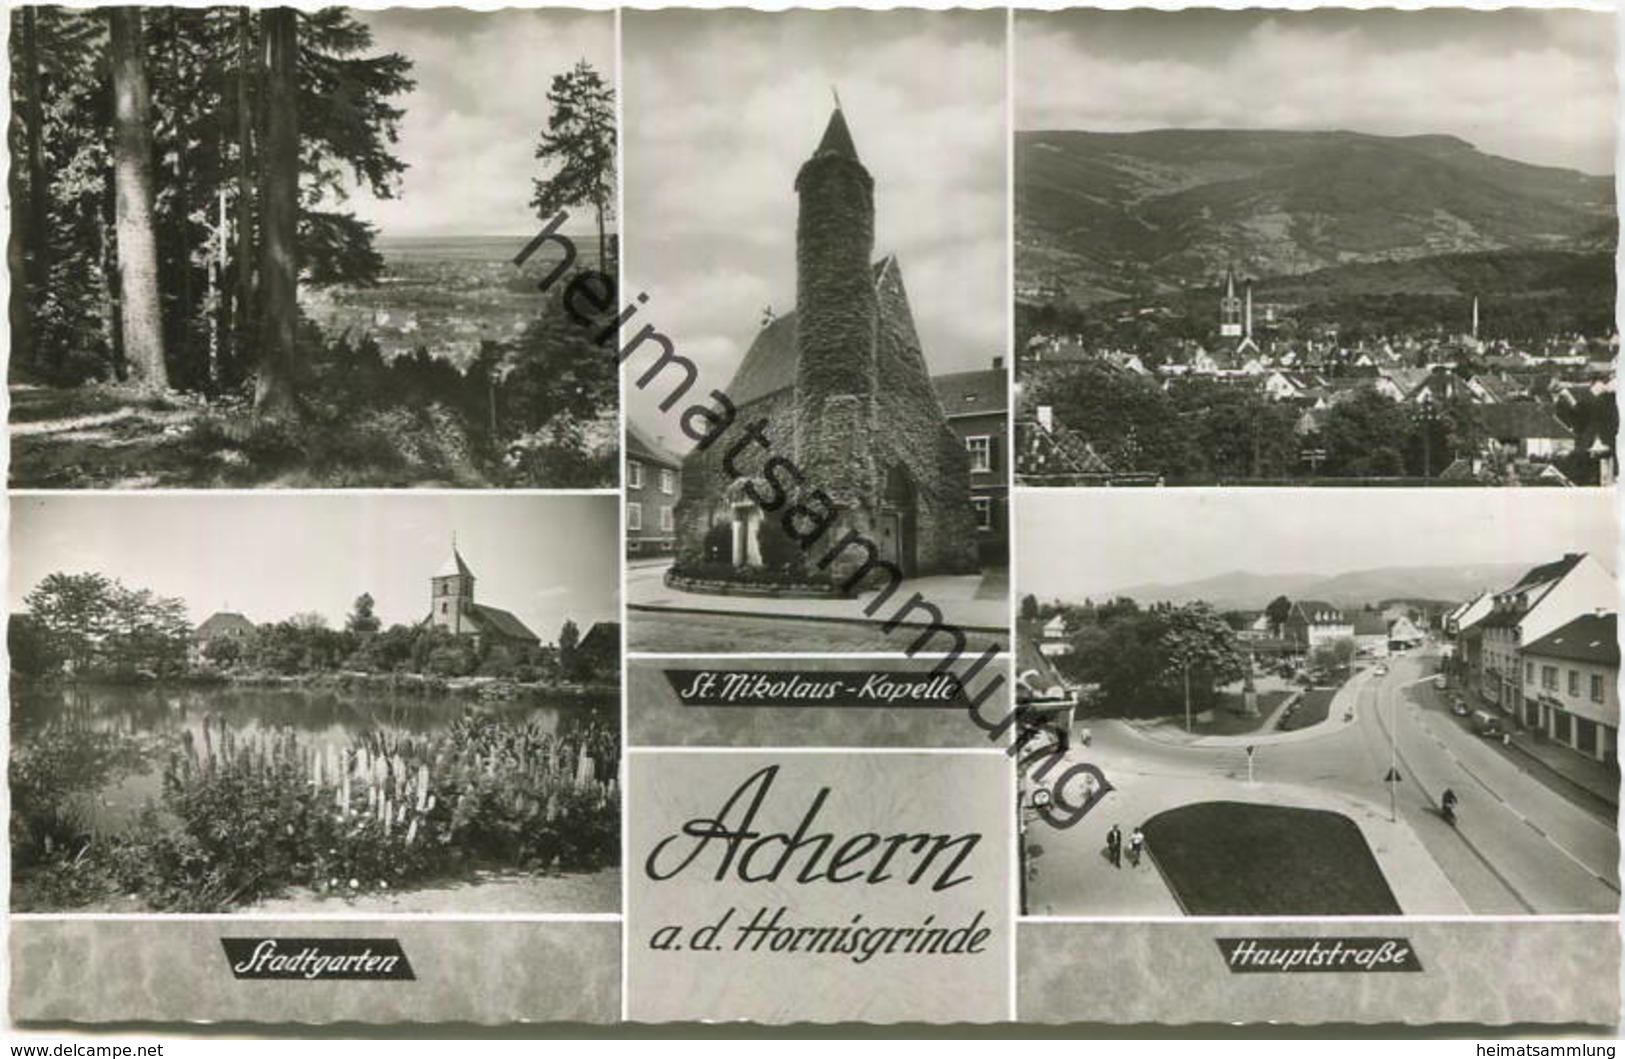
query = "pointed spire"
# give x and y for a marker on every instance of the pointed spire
(837, 137)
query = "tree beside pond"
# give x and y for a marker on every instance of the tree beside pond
(95, 625)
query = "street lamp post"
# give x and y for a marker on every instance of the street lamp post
(1393, 760)
(1187, 662)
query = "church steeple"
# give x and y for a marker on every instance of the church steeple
(451, 593)
(837, 137)
(1230, 308)
(835, 287)
(837, 318)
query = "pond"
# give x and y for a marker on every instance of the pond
(157, 717)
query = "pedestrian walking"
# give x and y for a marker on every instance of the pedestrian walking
(1136, 843)
(1114, 846)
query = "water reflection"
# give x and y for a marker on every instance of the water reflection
(323, 717)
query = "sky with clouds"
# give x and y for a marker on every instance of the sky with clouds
(1537, 86)
(1078, 544)
(472, 123)
(724, 106)
(270, 555)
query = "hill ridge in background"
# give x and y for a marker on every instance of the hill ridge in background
(1247, 590)
(1103, 214)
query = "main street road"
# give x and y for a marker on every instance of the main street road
(1519, 846)
(1546, 853)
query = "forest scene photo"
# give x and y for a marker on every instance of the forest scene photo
(274, 248)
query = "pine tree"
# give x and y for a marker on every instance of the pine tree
(132, 177)
(579, 142)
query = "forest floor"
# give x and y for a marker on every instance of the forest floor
(106, 437)
(96, 437)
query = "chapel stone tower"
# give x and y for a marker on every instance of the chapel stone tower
(836, 318)
(451, 595)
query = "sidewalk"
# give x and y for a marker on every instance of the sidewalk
(1586, 773)
(962, 599)
(1339, 715)
(1073, 877)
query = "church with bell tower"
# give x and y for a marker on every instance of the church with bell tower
(452, 607)
(1236, 315)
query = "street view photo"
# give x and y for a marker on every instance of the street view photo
(1319, 703)
(412, 704)
(822, 228)
(1361, 247)
(277, 248)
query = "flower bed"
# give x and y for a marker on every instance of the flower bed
(244, 817)
(724, 579)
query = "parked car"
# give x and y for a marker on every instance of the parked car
(1458, 707)
(1486, 724)
(1381, 670)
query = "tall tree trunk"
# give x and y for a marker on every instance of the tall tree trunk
(603, 242)
(132, 180)
(107, 267)
(243, 254)
(30, 223)
(279, 265)
(185, 346)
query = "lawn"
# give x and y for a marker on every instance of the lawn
(1224, 721)
(1311, 709)
(1239, 859)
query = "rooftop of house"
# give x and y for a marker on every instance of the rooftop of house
(1521, 419)
(1317, 612)
(1588, 638)
(641, 446)
(504, 622)
(1513, 603)
(223, 621)
(604, 635)
(1036, 677)
(769, 366)
(1552, 571)
(1370, 623)
(982, 392)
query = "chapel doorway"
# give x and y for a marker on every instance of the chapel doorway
(898, 521)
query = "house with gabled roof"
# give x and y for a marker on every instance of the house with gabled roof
(1543, 599)
(1403, 634)
(977, 406)
(1462, 629)
(653, 488)
(1371, 634)
(1571, 679)
(1525, 429)
(222, 625)
(1312, 622)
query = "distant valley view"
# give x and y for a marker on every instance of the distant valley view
(1103, 216)
(442, 294)
(1223, 307)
